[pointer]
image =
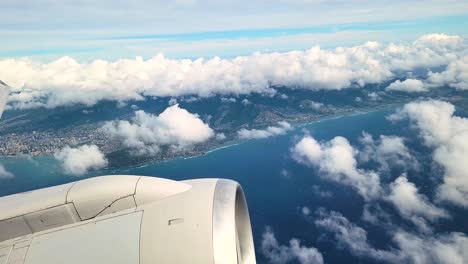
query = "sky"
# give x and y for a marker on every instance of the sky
(45, 30)
(56, 53)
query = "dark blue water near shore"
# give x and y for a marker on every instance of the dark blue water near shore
(276, 187)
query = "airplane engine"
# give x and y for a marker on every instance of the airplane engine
(128, 219)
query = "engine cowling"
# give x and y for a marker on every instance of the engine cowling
(128, 219)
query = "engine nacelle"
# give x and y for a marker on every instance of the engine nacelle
(128, 219)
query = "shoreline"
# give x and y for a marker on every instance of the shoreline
(232, 143)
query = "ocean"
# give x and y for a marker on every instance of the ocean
(276, 187)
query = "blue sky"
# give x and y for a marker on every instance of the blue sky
(48, 29)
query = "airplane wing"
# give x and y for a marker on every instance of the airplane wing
(4, 91)
(128, 220)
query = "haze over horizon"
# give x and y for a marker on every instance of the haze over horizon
(46, 30)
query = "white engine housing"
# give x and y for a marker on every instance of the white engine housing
(126, 220)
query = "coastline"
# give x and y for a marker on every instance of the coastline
(234, 143)
(231, 143)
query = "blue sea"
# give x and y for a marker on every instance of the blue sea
(276, 187)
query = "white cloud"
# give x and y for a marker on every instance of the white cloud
(352, 237)
(77, 161)
(65, 81)
(387, 151)
(311, 104)
(220, 136)
(172, 101)
(281, 254)
(305, 211)
(428, 51)
(285, 173)
(246, 102)
(4, 174)
(412, 205)
(374, 214)
(228, 100)
(418, 249)
(456, 75)
(270, 131)
(190, 99)
(336, 161)
(174, 127)
(448, 134)
(451, 248)
(408, 85)
(374, 96)
(316, 105)
(316, 190)
(121, 104)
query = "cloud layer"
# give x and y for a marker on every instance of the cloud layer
(77, 161)
(146, 133)
(66, 81)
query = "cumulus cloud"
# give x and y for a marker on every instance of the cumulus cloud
(408, 85)
(387, 151)
(4, 174)
(174, 127)
(270, 131)
(448, 248)
(311, 104)
(336, 160)
(411, 248)
(246, 102)
(228, 100)
(220, 136)
(281, 254)
(190, 99)
(412, 205)
(66, 81)
(77, 161)
(448, 135)
(352, 237)
(374, 214)
(316, 190)
(285, 173)
(172, 101)
(374, 96)
(306, 211)
(456, 75)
